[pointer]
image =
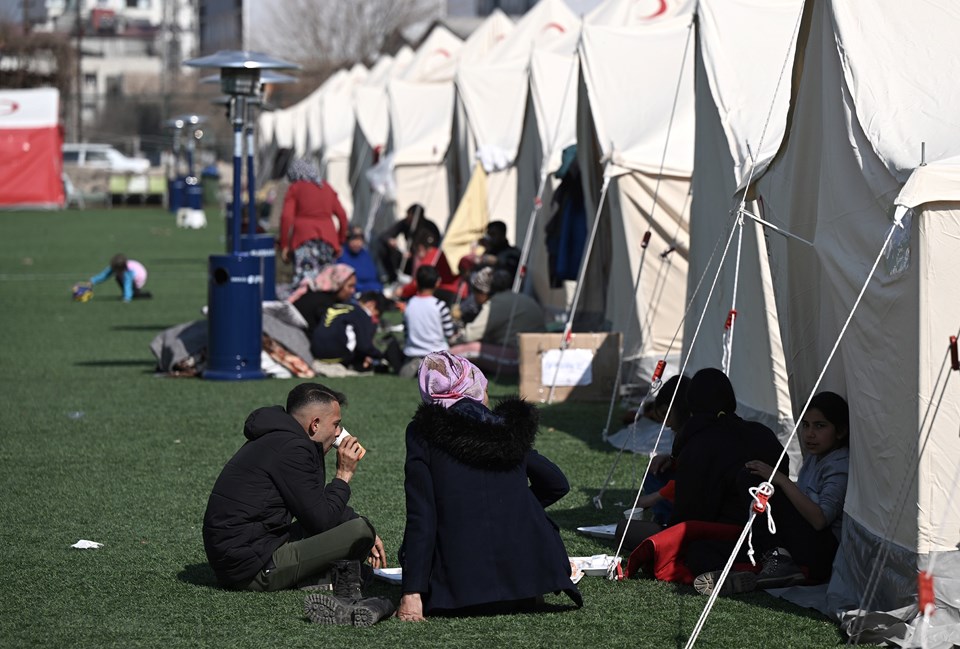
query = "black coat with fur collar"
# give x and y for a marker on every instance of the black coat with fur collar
(476, 531)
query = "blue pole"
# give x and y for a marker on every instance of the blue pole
(238, 106)
(251, 181)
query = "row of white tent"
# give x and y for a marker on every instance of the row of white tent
(833, 123)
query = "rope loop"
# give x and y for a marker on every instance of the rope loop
(761, 497)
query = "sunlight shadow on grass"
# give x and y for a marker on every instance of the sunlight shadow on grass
(198, 574)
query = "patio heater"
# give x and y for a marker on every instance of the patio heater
(187, 189)
(263, 245)
(235, 283)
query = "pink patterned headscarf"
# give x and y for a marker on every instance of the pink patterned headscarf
(330, 279)
(446, 379)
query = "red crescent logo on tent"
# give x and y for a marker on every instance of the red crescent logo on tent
(659, 12)
(8, 107)
(556, 26)
(442, 52)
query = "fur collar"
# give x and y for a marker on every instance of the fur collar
(477, 437)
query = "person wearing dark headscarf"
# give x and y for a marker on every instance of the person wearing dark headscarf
(477, 539)
(716, 445)
(313, 226)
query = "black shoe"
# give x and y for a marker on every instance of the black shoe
(322, 608)
(736, 582)
(371, 610)
(329, 609)
(347, 580)
(779, 570)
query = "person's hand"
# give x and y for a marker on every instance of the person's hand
(378, 556)
(647, 501)
(348, 454)
(367, 362)
(392, 243)
(660, 463)
(762, 469)
(285, 255)
(411, 608)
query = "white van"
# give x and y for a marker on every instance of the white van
(102, 156)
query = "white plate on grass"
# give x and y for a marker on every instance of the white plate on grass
(389, 575)
(599, 531)
(595, 566)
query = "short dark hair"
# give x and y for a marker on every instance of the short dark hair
(497, 229)
(427, 276)
(372, 296)
(415, 211)
(118, 263)
(680, 409)
(501, 281)
(306, 394)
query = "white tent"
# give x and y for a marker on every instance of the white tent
(421, 117)
(638, 130)
(492, 94)
(871, 91)
(743, 49)
(371, 107)
(337, 122)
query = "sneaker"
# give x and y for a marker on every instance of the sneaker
(736, 582)
(779, 570)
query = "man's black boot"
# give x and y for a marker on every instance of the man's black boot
(371, 610)
(346, 580)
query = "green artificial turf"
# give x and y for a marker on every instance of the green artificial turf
(95, 446)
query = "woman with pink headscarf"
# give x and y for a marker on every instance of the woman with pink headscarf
(477, 538)
(334, 284)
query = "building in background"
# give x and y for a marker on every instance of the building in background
(127, 60)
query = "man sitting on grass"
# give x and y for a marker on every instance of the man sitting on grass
(249, 533)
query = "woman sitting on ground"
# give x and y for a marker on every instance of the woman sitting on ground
(477, 538)
(809, 511)
(334, 284)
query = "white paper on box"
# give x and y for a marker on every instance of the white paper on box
(575, 367)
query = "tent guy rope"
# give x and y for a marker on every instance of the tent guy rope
(816, 386)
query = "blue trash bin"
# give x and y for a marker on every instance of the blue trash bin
(263, 245)
(193, 193)
(234, 317)
(177, 199)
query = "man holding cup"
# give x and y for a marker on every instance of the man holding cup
(272, 520)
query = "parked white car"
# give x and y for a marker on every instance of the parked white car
(103, 156)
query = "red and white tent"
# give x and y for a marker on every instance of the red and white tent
(31, 160)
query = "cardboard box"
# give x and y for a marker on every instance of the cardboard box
(584, 371)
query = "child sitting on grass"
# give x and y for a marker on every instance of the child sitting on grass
(427, 323)
(130, 274)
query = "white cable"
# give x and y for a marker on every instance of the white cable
(732, 316)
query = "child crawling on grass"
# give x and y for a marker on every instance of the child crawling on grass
(130, 274)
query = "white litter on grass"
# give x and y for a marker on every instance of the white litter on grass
(83, 544)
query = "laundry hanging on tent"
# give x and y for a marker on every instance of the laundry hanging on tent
(566, 232)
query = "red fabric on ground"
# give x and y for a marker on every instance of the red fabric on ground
(662, 553)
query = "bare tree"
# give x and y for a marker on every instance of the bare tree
(323, 35)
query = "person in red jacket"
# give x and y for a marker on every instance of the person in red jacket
(426, 252)
(313, 225)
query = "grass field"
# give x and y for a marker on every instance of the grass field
(95, 446)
